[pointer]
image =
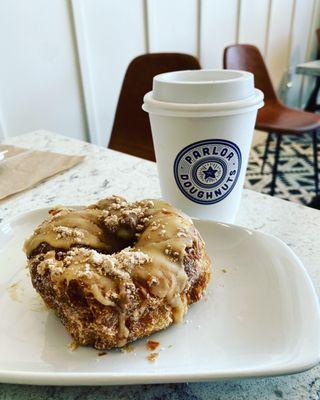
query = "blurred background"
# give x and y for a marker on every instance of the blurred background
(63, 61)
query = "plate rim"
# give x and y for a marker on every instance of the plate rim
(108, 379)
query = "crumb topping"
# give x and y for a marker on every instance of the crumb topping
(64, 232)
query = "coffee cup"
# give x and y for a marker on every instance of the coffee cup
(202, 124)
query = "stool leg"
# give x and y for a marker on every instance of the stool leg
(266, 151)
(315, 160)
(275, 165)
(312, 102)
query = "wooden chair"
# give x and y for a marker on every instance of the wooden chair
(131, 131)
(274, 117)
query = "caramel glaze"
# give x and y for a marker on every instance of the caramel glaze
(157, 238)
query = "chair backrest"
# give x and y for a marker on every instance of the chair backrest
(248, 58)
(318, 37)
(131, 132)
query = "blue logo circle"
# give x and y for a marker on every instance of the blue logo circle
(207, 171)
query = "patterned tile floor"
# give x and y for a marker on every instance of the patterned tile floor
(295, 180)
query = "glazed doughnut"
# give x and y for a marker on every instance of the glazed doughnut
(114, 272)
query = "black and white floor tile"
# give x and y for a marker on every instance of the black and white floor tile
(295, 180)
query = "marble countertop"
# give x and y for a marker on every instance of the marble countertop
(105, 172)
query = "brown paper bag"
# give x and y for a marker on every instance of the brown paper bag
(23, 168)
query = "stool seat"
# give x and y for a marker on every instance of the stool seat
(278, 118)
(275, 118)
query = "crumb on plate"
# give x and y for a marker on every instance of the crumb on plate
(73, 345)
(153, 357)
(127, 349)
(152, 344)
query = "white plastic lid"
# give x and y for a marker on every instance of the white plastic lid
(203, 93)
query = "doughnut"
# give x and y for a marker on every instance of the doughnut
(115, 271)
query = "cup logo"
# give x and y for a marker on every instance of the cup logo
(207, 171)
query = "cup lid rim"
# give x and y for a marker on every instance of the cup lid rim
(154, 106)
(241, 75)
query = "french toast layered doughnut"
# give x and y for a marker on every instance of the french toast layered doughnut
(116, 271)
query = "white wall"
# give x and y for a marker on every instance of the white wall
(63, 61)
(39, 80)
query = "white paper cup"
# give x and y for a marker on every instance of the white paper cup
(202, 124)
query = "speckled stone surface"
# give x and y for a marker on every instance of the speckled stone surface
(105, 172)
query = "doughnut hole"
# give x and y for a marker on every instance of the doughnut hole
(126, 236)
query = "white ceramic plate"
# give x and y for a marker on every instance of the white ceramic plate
(260, 317)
